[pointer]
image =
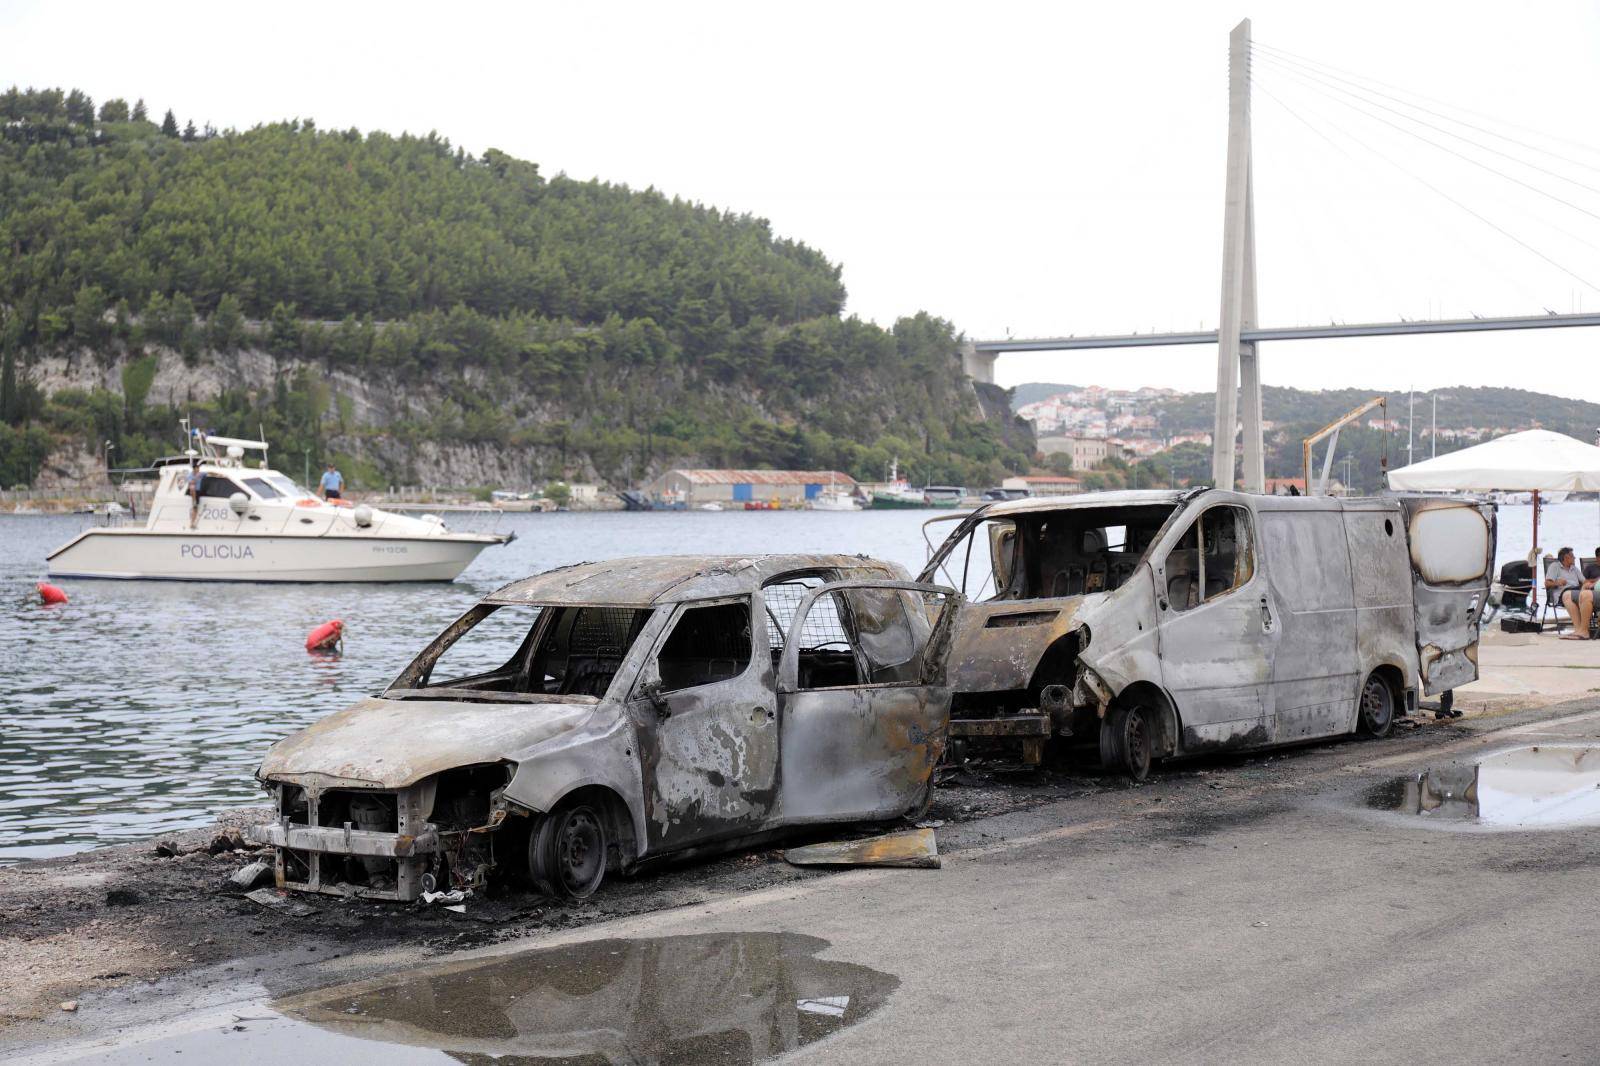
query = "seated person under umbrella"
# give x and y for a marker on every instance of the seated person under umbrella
(1566, 585)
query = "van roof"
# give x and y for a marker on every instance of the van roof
(1116, 498)
(648, 580)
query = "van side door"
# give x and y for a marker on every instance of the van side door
(864, 702)
(1451, 545)
(1315, 674)
(1217, 631)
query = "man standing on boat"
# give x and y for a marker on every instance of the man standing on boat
(332, 483)
(193, 488)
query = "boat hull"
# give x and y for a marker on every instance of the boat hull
(137, 554)
(897, 503)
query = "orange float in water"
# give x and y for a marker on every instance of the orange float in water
(51, 593)
(326, 637)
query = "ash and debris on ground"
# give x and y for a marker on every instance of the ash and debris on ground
(116, 916)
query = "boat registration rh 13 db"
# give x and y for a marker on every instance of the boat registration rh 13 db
(390, 549)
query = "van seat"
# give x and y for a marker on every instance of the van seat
(588, 676)
(1068, 581)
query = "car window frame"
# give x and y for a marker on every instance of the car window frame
(650, 672)
(1197, 523)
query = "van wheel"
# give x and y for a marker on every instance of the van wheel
(1377, 708)
(567, 852)
(1125, 742)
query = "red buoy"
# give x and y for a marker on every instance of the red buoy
(326, 637)
(51, 593)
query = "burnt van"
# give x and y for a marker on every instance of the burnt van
(1159, 624)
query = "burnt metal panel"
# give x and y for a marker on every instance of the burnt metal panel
(709, 753)
(915, 849)
(1011, 725)
(1315, 675)
(865, 750)
(1216, 656)
(1382, 587)
(644, 581)
(1451, 545)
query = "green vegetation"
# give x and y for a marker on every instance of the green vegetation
(594, 327)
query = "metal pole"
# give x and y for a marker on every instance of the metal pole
(1410, 423)
(1534, 558)
(1327, 465)
(1238, 274)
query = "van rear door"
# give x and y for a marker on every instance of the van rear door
(1451, 543)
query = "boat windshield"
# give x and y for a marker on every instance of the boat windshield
(273, 486)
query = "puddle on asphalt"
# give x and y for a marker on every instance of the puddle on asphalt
(708, 998)
(1543, 786)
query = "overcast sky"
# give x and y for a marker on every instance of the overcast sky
(1037, 169)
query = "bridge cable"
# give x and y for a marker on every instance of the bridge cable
(1459, 155)
(1285, 53)
(1440, 114)
(1429, 185)
(1566, 231)
(1492, 264)
(1307, 73)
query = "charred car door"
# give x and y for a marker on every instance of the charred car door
(706, 717)
(863, 699)
(1451, 545)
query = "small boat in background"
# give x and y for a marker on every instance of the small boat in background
(833, 498)
(944, 495)
(897, 494)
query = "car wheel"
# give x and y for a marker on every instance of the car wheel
(1377, 708)
(567, 852)
(1125, 742)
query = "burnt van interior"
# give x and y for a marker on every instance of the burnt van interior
(1212, 558)
(1077, 551)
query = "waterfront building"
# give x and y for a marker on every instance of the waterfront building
(695, 487)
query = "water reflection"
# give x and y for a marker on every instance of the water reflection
(711, 998)
(143, 707)
(1535, 787)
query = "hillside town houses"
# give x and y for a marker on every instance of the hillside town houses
(1093, 424)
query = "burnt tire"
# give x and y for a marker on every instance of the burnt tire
(1375, 708)
(567, 852)
(1126, 743)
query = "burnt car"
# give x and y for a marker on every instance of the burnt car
(1159, 624)
(600, 716)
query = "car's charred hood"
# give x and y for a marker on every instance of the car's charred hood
(382, 743)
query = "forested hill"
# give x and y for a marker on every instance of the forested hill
(418, 313)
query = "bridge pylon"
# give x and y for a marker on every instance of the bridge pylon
(1238, 367)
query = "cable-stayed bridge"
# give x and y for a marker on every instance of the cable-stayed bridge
(1238, 368)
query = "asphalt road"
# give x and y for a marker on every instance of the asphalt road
(1246, 910)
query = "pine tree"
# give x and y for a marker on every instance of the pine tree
(115, 110)
(169, 124)
(140, 113)
(80, 108)
(189, 132)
